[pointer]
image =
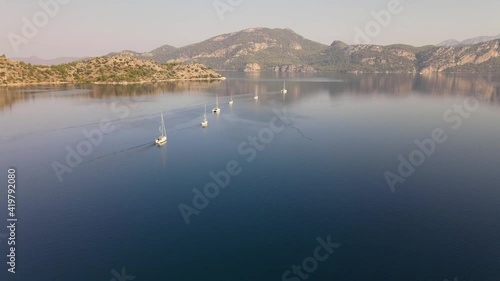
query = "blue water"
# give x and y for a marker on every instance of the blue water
(322, 176)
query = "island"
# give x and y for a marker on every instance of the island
(119, 69)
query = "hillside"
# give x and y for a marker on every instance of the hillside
(479, 58)
(367, 58)
(158, 55)
(116, 69)
(282, 50)
(252, 49)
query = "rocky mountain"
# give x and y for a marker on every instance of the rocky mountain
(471, 41)
(482, 57)
(252, 49)
(282, 50)
(268, 48)
(367, 58)
(101, 70)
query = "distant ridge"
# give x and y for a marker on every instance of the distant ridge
(471, 41)
(39, 61)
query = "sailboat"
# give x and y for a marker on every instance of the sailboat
(256, 97)
(284, 90)
(231, 102)
(163, 138)
(216, 110)
(204, 123)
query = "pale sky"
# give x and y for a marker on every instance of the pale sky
(97, 27)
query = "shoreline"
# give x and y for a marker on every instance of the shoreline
(112, 83)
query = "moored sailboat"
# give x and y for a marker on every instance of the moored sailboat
(204, 123)
(284, 90)
(216, 110)
(163, 138)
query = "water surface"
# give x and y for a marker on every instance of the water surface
(321, 176)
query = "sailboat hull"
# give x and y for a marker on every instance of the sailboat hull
(161, 140)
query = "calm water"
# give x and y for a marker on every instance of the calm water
(321, 176)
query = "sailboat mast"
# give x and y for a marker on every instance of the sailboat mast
(163, 125)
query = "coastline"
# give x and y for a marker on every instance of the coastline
(112, 83)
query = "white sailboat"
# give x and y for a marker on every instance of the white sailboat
(256, 97)
(231, 102)
(284, 90)
(163, 138)
(204, 123)
(216, 110)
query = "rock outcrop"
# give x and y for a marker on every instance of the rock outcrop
(252, 67)
(294, 69)
(446, 58)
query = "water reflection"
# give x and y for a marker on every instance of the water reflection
(247, 84)
(486, 87)
(11, 95)
(163, 155)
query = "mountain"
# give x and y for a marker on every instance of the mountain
(282, 50)
(158, 54)
(471, 41)
(367, 58)
(101, 70)
(161, 54)
(40, 61)
(250, 49)
(260, 48)
(482, 57)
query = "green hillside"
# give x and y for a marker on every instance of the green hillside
(116, 69)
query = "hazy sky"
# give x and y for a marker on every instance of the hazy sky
(97, 27)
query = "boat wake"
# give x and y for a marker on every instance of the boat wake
(145, 146)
